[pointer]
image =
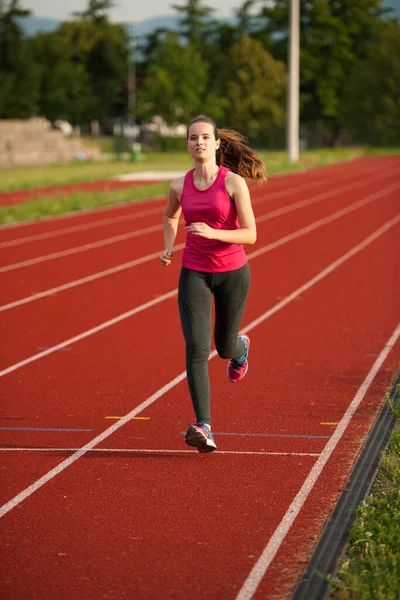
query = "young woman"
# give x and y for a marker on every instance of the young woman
(216, 206)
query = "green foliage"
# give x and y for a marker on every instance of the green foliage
(255, 87)
(80, 71)
(176, 85)
(96, 10)
(19, 84)
(334, 37)
(371, 570)
(101, 48)
(66, 203)
(193, 22)
(371, 103)
(76, 73)
(79, 172)
(371, 567)
(247, 22)
(64, 82)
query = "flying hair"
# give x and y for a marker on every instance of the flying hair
(234, 152)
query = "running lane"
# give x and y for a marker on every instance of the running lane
(50, 319)
(105, 215)
(128, 523)
(17, 196)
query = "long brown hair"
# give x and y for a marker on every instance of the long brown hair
(234, 152)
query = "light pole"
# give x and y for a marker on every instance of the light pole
(293, 87)
(132, 87)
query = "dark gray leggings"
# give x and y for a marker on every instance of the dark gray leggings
(230, 291)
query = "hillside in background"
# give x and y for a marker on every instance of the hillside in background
(33, 24)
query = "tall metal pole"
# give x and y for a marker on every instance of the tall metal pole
(132, 84)
(293, 88)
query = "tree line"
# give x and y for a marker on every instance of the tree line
(234, 71)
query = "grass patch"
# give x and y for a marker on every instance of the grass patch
(79, 172)
(65, 203)
(382, 151)
(370, 570)
(277, 162)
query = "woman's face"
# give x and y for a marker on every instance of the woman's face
(201, 141)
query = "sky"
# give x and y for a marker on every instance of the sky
(132, 11)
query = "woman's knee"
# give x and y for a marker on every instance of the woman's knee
(197, 353)
(224, 349)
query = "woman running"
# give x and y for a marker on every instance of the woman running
(216, 206)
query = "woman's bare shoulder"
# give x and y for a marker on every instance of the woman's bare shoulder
(231, 176)
(234, 182)
(176, 186)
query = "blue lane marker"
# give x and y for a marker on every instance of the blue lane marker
(289, 435)
(41, 429)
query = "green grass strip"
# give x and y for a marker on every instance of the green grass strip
(46, 206)
(80, 172)
(370, 569)
(11, 179)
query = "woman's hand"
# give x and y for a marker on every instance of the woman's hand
(166, 257)
(201, 229)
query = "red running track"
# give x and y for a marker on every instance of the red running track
(134, 513)
(17, 196)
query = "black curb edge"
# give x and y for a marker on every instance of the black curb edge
(313, 584)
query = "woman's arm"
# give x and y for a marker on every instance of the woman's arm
(171, 219)
(247, 232)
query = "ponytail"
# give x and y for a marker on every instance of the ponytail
(234, 152)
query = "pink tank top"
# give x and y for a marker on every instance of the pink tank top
(214, 207)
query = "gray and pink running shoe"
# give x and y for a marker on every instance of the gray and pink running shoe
(199, 436)
(237, 368)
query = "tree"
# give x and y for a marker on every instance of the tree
(255, 87)
(334, 35)
(175, 87)
(102, 49)
(372, 94)
(107, 66)
(247, 22)
(65, 90)
(18, 74)
(96, 10)
(193, 22)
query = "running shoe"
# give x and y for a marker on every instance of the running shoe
(199, 436)
(237, 368)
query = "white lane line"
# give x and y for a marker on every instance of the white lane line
(172, 293)
(314, 199)
(323, 172)
(84, 248)
(83, 227)
(332, 267)
(158, 450)
(263, 250)
(126, 236)
(90, 332)
(252, 582)
(306, 186)
(83, 280)
(70, 216)
(174, 382)
(160, 209)
(323, 221)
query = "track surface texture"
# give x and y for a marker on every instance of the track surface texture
(100, 496)
(16, 196)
